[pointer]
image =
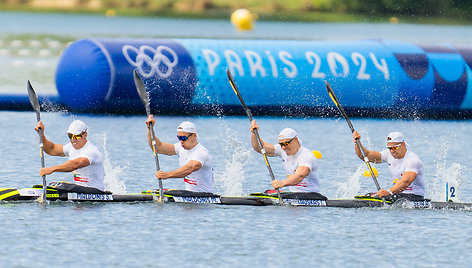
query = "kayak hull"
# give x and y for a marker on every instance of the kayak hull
(178, 196)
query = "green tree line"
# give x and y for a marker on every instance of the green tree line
(429, 11)
(406, 7)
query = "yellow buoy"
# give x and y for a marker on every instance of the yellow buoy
(367, 172)
(242, 19)
(317, 154)
(110, 13)
(393, 20)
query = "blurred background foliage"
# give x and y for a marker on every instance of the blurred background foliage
(417, 11)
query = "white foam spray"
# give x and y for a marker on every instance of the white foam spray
(236, 156)
(450, 175)
(352, 187)
(112, 181)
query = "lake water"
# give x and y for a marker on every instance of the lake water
(157, 235)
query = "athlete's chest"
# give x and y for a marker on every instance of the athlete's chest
(396, 167)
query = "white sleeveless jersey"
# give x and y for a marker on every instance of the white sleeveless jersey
(202, 179)
(303, 157)
(410, 162)
(91, 175)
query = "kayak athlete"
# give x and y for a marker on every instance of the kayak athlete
(405, 167)
(299, 163)
(85, 160)
(196, 167)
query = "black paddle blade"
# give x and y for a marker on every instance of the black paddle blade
(236, 91)
(338, 105)
(332, 95)
(141, 91)
(233, 84)
(33, 98)
(335, 99)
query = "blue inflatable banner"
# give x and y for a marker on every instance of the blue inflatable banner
(275, 77)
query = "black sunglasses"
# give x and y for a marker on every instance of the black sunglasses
(184, 138)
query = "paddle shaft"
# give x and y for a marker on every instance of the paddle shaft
(43, 165)
(259, 141)
(35, 105)
(154, 149)
(358, 142)
(145, 99)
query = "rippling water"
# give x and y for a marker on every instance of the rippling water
(211, 235)
(153, 235)
(156, 235)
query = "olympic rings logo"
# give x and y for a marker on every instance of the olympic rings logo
(160, 63)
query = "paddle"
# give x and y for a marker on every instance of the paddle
(35, 104)
(145, 99)
(248, 112)
(358, 142)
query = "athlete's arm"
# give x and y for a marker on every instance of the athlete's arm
(293, 179)
(67, 166)
(161, 147)
(48, 146)
(407, 178)
(181, 172)
(373, 156)
(268, 147)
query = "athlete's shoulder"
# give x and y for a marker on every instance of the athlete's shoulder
(202, 149)
(91, 147)
(67, 146)
(178, 147)
(307, 153)
(412, 157)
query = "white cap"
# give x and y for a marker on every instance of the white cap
(287, 133)
(395, 137)
(187, 126)
(77, 127)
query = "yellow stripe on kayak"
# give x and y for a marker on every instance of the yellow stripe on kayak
(261, 195)
(2, 190)
(8, 194)
(371, 199)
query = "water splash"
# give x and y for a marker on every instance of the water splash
(235, 154)
(112, 182)
(352, 187)
(446, 174)
(236, 157)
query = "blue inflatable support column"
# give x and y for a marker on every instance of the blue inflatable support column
(95, 75)
(276, 77)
